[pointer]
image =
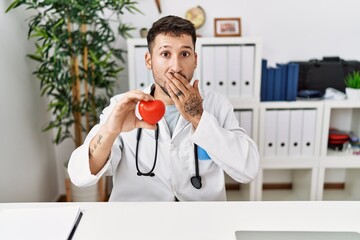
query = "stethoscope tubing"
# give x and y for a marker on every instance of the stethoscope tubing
(195, 180)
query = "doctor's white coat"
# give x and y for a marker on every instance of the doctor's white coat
(218, 133)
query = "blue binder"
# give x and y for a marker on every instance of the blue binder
(277, 84)
(264, 80)
(270, 84)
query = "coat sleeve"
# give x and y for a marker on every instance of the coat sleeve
(79, 168)
(228, 145)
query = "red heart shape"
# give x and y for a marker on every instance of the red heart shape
(151, 111)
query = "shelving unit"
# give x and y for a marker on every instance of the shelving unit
(340, 167)
(301, 174)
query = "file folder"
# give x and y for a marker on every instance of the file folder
(308, 137)
(141, 72)
(270, 132)
(237, 115)
(283, 83)
(246, 121)
(234, 71)
(149, 77)
(221, 65)
(264, 80)
(247, 70)
(282, 137)
(292, 81)
(277, 84)
(208, 68)
(296, 125)
(270, 84)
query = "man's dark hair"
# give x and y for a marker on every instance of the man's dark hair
(173, 25)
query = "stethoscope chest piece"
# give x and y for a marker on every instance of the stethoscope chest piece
(196, 181)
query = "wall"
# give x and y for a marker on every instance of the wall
(289, 29)
(27, 159)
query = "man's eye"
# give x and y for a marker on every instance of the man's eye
(165, 54)
(185, 54)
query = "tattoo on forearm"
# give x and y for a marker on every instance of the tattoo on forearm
(98, 142)
(193, 105)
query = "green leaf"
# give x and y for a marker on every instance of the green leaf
(14, 4)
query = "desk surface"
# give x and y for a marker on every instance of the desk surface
(206, 220)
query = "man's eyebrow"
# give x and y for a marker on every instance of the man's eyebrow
(187, 47)
(169, 46)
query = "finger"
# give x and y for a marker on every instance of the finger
(196, 85)
(178, 88)
(137, 95)
(174, 94)
(183, 80)
(179, 80)
(174, 89)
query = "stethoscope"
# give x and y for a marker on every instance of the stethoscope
(195, 180)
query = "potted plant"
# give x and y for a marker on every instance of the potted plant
(352, 82)
(77, 61)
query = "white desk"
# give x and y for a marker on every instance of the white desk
(206, 220)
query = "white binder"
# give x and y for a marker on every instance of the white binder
(221, 70)
(208, 68)
(247, 70)
(282, 137)
(270, 132)
(141, 72)
(149, 77)
(296, 119)
(234, 71)
(237, 115)
(246, 121)
(308, 137)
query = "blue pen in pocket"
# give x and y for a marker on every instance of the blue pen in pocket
(202, 154)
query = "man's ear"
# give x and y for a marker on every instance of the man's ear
(148, 60)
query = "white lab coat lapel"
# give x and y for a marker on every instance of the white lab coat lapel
(180, 125)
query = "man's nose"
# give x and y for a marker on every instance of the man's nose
(176, 65)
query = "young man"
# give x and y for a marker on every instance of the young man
(199, 136)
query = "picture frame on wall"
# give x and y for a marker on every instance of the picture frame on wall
(227, 27)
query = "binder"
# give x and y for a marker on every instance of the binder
(292, 81)
(296, 80)
(141, 72)
(282, 137)
(247, 70)
(277, 84)
(246, 121)
(270, 132)
(208, 68)
(221, 70)
(234, 72)
(296, 125)
(308, 136)
(149, 77)
(237, 115)
(264, 80)
(283, 85)
(270, 84)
